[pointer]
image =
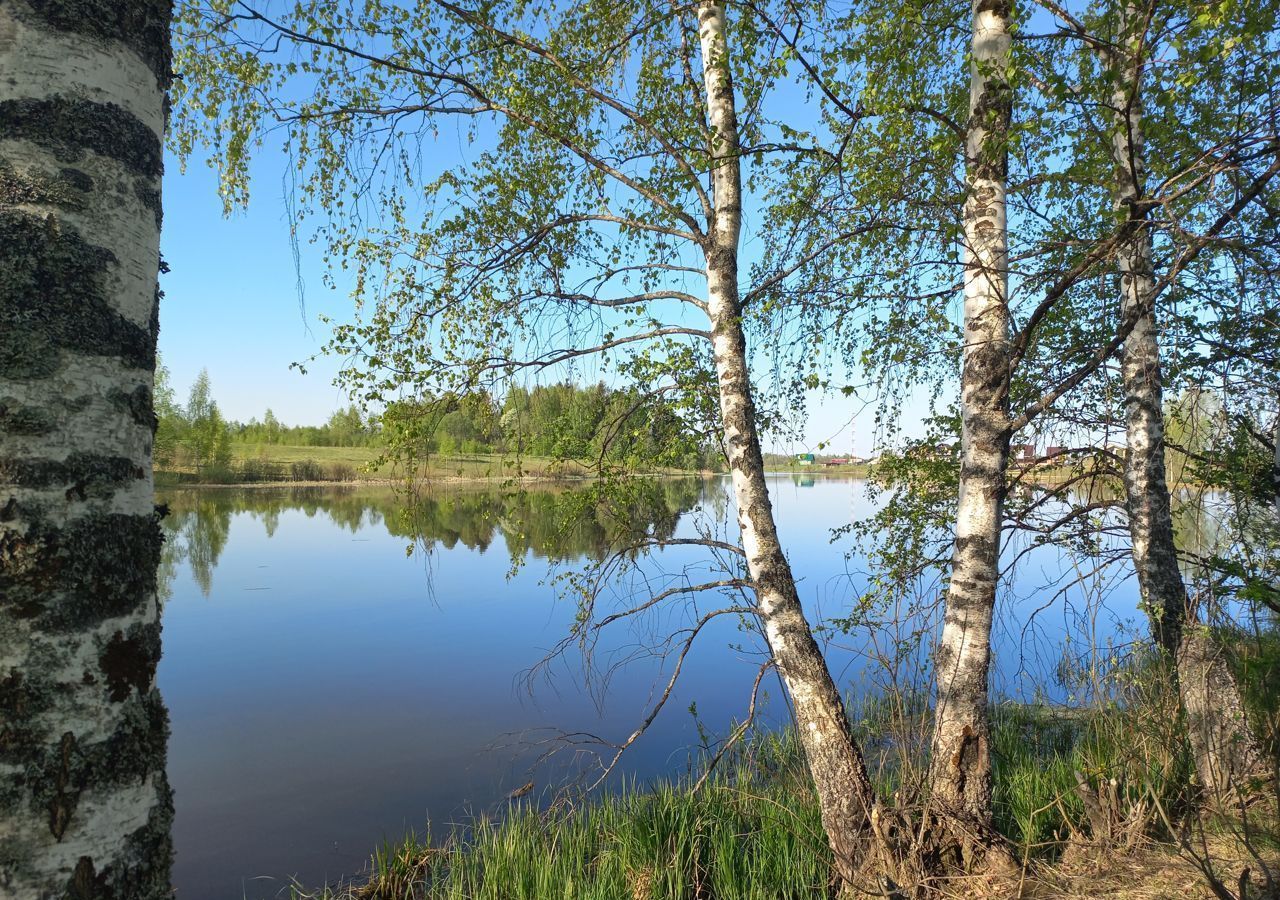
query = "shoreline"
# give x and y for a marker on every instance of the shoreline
(428, 481)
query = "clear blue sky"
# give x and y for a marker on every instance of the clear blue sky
(231, 301)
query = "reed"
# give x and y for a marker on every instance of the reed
(753, 830)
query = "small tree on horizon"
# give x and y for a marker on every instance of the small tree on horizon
(208, 437)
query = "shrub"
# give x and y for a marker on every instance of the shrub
(306, 470)
(341, 472)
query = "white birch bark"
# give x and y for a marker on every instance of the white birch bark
(960, 763)
(84, 804)
(1222, 743)
(835, 762)
(1275, 467)
(1155, 559)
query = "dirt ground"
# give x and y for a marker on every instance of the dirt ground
(1160, 871)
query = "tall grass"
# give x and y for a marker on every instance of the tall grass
(754, 830)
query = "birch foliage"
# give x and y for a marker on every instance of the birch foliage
(598, 215)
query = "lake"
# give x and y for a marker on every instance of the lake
(341, 667)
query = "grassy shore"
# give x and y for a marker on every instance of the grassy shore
(754, 832)
(277, 463)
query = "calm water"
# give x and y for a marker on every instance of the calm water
(339, 670)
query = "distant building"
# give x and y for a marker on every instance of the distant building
(1023, 452)
(804, 459)
(1051, 452)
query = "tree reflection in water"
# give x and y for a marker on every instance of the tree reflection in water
(547, 522)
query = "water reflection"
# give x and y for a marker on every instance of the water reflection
(548, 523)
(326, 691)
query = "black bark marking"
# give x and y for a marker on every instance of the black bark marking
(19, 702)
(68, 782)
(26, 356)
(964, 757)
(69, 127)
(137, 404)
(141, 25)
(73, 578)
(66, 189)
(137, 748)
(987, 371)
(84, 880)
(53, 295)
(84, 474)
(129, 662)
(150, 198)
(56, 773)
(24, 420)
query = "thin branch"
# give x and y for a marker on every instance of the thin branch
(552, 357)
(655, 133)
(671, 684)
(672, 592)
(738, 732)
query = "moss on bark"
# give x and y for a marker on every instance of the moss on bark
(76, 577)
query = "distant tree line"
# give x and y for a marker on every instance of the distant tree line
(196, 435)
(347, 427)
(561, 421)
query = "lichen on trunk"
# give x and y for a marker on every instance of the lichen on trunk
(85, 807)
(960, 760)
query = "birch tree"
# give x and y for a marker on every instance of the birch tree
(960, 760)
(84, 804)
(599, 218)
(1062, 326)
(1225, 750)
(1126, 37)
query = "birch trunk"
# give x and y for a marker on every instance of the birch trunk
(1275, 466)
(1222, 743)
(84, 804)
(960, 767)
(835, 762)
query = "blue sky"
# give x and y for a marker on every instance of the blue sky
(232, 305)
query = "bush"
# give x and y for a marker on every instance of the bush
(259, 470)
(341, 472)
(307, 470)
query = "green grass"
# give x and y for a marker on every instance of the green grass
(352, 456)
(257, 463)
(754, 830)
(752, 833)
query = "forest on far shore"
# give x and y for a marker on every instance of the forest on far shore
(565, 421)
